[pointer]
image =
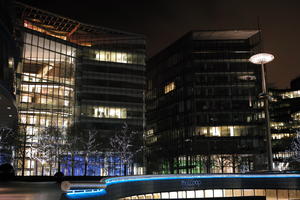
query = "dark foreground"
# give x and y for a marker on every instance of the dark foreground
(30, 191)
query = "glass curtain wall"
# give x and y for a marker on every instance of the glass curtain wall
(45, 93)
(110, 83)
(77, 78)
(202, 104)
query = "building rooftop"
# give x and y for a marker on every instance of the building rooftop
(66, 28)
(224, 34)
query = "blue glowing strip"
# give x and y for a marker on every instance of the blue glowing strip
(85, 194)
(111, 181)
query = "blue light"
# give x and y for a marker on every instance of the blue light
(96, 163)
(86, 194)
(111, 181)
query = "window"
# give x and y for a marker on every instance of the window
(169, 87)
(223, 131)
(109, 112)
(120, 57)
(26, 99)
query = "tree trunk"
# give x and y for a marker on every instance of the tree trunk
(86, 160)
(72, 163)
(42, 170)
(171, 166)
(208, 164)
(233, 164)
(222, 165)
(36, 168)
(187, 164)
(24, 154)
(125, 169)
(58, 163)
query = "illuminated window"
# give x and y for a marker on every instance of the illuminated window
(23, 119)
(44, 100)
(215, 131)
(169, 87)
(120, 57)
(218, 193)
(150, 132)
(26, 99)
(222, 131)
(165, 195)
(66, 102)
(237, 192)
(181, 194)
(199, 193)
(228, 193)
(279, 136)
(10, 62)
(296, 116)
(32, 119)
(261, 115)
(190, 194)
(109, 112)
(173, 195)
(291, 95)
(208, 193)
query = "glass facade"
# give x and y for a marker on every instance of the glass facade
(45, 88)
(202, 102)
(268, 194)
(285, 124)
(75, 75)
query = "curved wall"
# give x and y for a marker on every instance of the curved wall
(121, 187)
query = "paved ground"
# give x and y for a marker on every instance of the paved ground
(30, 191)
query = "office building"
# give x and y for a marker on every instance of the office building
(73, 74)
(285, 123)
(203, 113)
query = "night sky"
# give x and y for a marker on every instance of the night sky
(164, 21)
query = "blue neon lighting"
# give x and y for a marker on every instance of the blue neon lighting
(111, 181)
(86, 194)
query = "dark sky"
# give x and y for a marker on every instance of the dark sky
(164, 21)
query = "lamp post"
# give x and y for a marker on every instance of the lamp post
(262, 59)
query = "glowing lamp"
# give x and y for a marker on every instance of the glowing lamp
(261, 58)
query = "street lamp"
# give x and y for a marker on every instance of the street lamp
(261, 59)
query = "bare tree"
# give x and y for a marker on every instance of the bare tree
(22, 150)
(49, 148)
(42, 152)
(56, 139)
(295, 147)
(294, 160)
(123, 144)
(207, 162)
(238, 165)
(71, 148)
(9, 142)
(89, 146)
(222, 161)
